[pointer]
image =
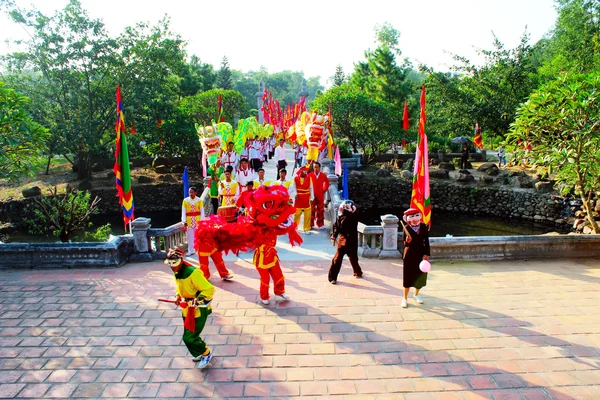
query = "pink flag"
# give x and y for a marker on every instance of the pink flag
(338, 161)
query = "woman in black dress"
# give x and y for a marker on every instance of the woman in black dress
(415, 235)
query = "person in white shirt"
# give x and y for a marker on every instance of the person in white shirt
(255, 154)
(280, 156)
(229, 157)
(244, 174)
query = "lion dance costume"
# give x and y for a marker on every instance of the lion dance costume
(269, 214)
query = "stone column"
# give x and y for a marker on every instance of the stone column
(142, 249)
(483, 155)
(304, 93)
(389, 242)
(259, 102)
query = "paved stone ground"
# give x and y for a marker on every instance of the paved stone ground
(502, 330)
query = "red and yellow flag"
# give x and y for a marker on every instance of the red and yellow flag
(478, 140)
(121, 168)
(421, 198)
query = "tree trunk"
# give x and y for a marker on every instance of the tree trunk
(64, 236)
(84, 170)
(48, 165)
(589, 213)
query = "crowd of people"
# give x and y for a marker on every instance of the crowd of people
(233, 179)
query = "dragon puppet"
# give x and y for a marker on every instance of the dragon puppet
(314, 132)
(270, 213)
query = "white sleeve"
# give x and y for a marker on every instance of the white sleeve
(292, 191)
(312, 191)
(183, 213)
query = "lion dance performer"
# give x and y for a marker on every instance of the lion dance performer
(269, 214)
(320, 183)
(194, 295)
(303, 193)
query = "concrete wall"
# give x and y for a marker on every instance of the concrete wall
(113, 253)
(514, 247)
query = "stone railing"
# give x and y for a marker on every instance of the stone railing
(113, 253)
(379, 241)
(153, 243)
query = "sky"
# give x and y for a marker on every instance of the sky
(315, 36)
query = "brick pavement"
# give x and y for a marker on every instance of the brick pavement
(501, 330)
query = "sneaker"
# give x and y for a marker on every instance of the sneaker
(283, 296)
(404, 304)
(418, 299)
(227, 277)
(204, 360)
(196, 359)
(333, 282)
(307, 232)
(265, 302)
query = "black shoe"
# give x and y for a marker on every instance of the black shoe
(333, 282)
(358, 276)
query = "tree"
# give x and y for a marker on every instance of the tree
(71, 68)
(22, 140)
(575, 42)
(61, 214)
(379, 75)
(561, 123)
(197, 77)
(339, 78)
(366, 123)
(202, 108)
(225, 81)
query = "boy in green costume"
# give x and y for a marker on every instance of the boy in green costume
(193, 288)
(214, 172)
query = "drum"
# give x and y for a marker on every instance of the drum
(228, 212)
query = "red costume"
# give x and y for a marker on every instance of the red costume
(205, 251)
(302, 186)
(320, 186)
(267, 265)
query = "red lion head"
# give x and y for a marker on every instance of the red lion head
(272, 209)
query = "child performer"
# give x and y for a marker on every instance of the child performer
(345, 230)
(416, 249)
(192, 287)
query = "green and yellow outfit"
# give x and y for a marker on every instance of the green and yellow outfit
(191, 284)
(215, 178)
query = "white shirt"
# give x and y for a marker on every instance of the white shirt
(243, 176)
(229, 158)
(280, 153)
(255, 150)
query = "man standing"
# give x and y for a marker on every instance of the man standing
(280, 156)
(230, 157)
(192, 287)
(255, 154)
(320, 184)
(298, 154)
(244, 174)
(345, 231)
(230, 190)
(192, 211)
(303, 194)
(214, 172)
(261, 181)
(282, 180)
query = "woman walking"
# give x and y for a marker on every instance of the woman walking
(415, 235)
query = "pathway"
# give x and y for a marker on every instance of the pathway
(501, 330)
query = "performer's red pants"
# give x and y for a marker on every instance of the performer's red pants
(278, 281)
(217, 258)
(318, 212)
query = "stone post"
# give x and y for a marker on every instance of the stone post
(259, 102)
(483, 155)
(141, 241)
(304, 93)
(389, 242)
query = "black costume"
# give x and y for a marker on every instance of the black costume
(345, 229)
(464, 158)
(413, 255)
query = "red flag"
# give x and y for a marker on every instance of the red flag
(421, 198)
(405, 124)
(478, 140)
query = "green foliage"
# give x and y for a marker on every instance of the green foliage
(203, 107)
(284, 85)
(22, 140)
(71, 68)
(101, 234)
(561, 122)
(225, 81)
(366, 123)
(339, 78)
(60, 214)
(197, 77)
(345, 150)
